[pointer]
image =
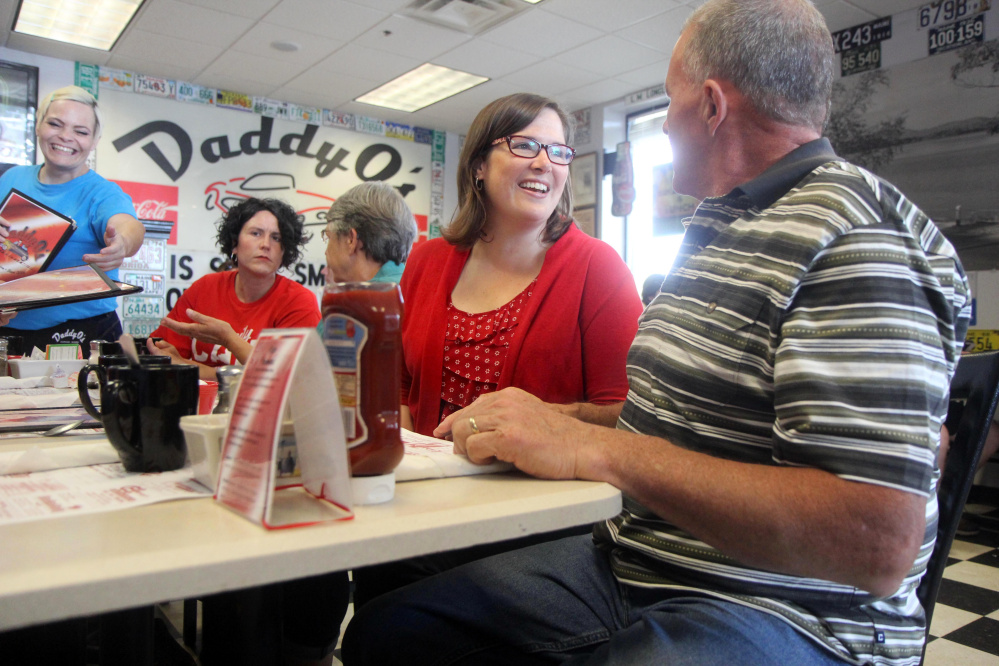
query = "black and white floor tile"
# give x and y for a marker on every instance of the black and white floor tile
(965, 626)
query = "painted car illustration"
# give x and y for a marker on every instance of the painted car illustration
(310, 206)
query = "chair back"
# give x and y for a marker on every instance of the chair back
(973, 395)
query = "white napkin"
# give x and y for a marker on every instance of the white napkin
(37, 459)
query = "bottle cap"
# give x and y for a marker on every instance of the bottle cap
(373, 489)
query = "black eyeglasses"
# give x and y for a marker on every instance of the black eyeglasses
(526, 147)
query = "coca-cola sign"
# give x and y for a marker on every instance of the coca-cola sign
(154, 202)
(151, 209)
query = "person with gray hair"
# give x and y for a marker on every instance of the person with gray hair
(369, 233)
(68, 127)
(787, 386)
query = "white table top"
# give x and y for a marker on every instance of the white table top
(81, 565)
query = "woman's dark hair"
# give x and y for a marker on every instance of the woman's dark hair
(293, 236)
(502, 117)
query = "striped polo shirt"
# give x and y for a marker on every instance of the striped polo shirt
(813, 317)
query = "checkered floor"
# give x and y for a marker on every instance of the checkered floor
(965, 626)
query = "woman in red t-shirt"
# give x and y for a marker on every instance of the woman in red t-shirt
(215, 321)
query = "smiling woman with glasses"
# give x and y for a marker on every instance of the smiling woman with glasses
(513, 295)
(525, 146)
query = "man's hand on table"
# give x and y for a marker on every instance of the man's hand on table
(516, 427)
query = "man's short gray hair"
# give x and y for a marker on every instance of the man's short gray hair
(381, 218)
(778, 53)
(73, 94)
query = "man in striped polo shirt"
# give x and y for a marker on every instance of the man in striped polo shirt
(777, 450)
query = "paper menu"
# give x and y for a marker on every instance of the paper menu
(35, 236)
(288, 369)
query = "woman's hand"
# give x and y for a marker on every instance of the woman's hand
(122, 239)
(213, 331)
(204, 328)
(164, 348)
(5, 317)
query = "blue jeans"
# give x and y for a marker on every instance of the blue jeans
(559, 603)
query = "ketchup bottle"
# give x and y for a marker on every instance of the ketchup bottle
(361, 331)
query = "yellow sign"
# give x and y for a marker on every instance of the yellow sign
(979, 340)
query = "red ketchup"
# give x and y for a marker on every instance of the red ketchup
(361, 331)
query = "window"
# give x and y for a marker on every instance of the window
(652, 232)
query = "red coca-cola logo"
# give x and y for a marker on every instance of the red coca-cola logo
(151, 209)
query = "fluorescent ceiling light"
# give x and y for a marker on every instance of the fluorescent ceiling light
(96, 24)
(421, 87)
(533, 2)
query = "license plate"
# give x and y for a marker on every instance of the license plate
(150, 257)
(152, 285)
(143, 307)
(979, 340)
(956, 35)
(140, 328)
(946, 11)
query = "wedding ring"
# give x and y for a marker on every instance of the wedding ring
(471, 424)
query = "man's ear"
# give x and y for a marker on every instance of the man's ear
(353, 242)
(716, 105)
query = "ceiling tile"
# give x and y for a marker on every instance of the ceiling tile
(312, 48)
(609, 55)
(609, 16)
(356, 60)
(170, 17)
(645, 77)
(264, 69)
(484, 58)
(253, 9)
(382, 5)
(338, 20)
(888, 7)
(841, 15)
(551, 77)
(416, 39)
(536, 32)
(53, 49)
(150, 46)
(659, 32)
(165, 70)
(601, 91)
(324, 96)
(337, 88)
(233, 83)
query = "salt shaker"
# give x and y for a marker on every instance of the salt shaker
(228, 376)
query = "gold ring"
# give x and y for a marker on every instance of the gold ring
(471, 424)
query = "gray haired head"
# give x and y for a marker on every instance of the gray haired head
(383, 222)
(778, 53)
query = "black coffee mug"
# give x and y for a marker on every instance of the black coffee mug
(121, 359)
(113, 359)
(141, 410)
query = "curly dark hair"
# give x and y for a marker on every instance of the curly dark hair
(293, 235)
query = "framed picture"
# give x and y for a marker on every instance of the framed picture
(18, 100)
(583, 173)
(586, 220)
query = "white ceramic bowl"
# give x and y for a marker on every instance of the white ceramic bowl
(25, 367)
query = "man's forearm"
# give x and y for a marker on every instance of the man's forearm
(604, 415)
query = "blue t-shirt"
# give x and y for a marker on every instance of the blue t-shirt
(90, 201)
